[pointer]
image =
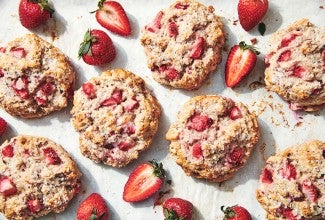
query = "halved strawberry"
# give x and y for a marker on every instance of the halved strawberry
(284, 56)
(89, 89)
(251, 12)
(310, 191)
(34, 205)
(112, 16)
(235, 113)
(289, 172)
(51, 156)
(3, 126)
(18, 52)
(266, 176)
(197, 48)
(8, 151)
(144, 181)
(7, 187)
(199, 122)
(197, 152)
(172, 29)
(240, 62)
(155, 25)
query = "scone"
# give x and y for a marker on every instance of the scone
(292, 184)
(295, 65)
(212, 137)
(35, 77)
(183, 44)
(116, 117)
(37, 176)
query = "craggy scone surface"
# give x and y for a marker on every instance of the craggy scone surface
(116, 117)
(212, 137)
(35, 77)
(295, 65)
(183, 44)
(37, 176)
(292, 183)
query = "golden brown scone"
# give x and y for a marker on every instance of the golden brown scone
(295, 65)
(183, 44)
(292, 183)
(212, 137)
(37, 176)
(116, 117)
(35, 77)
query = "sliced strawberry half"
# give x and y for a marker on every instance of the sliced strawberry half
(199, 122)
(289, 172)
(197, 48)
(8, 151)
(155, 25)
(18, 52)
(34, 205)
(112, 16)
(144, 181)
(266, 176)
(7, 187)
(89, 89)
(240, 62)
(51, 156)
(310, 191)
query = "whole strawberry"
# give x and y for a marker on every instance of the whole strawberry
(3, 126)
(177, 209)
(144, 181)
(93, 208)
(97, 48)
(33, 13)
(240, 62)
(236, 213)
(111, 15)
(251, 12)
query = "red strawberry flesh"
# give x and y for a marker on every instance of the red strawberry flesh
(51, 156)
(181, 6)
(172, 29)
(298, 71)
(7, 187)
(131, 105)
(288, 39)
(172, 73)
(197, 151)
(113, 17)
(8, 151)
(235, 113)
(289, 172)
(89, 90)
(310, 190)
(3, 126)
(197, 48)
(199, 122)
(236, 156)
(266, 176)
(285, 56)
(18, 52)
(34, 205)
(125, 146)
(155, 25)
(1, 73)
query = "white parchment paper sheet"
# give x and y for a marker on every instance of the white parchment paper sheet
(280, 127)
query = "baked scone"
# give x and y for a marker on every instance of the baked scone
(295, 65)
(35, 77)
(37, 176)
(292, 184)
(212, 137)
(116, 117)
(183, 44)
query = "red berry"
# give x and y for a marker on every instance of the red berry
(197, 152)
(236, 155)
(251, 12)
(8, 151)
(172, 73)
(182, 6)
(298, 71)
(93, 207)
(236, 213)
(18, 52)
(197, 48)
(172, 29)
(177, 208)
(97, 48)
(125, 146)
(310, 191)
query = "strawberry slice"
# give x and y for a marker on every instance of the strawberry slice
(144, 181)
(288, 39)
(51, 157)
(8, 151)
(155, 25)
(235, 113)
(289, 172)
(112, 16)
(18, 52)
(197, 48)
(3, 126)
(199, 122)
(266, 176)
(240, 62)
(172, 29)
(310, 191)
(284, 56)
(34, 205)
(89, 90)
(197, 152)
(7, 187)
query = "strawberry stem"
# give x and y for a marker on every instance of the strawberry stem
(158, 169)
(244, 46)
(229, 212)
(171, 215)
(44, 4)
(100, 5)
(86, 44)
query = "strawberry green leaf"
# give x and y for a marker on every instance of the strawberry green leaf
(244, 46)
(44, 4)
(158, 169)
(261, 28)
(229, 212)
(86, 44)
